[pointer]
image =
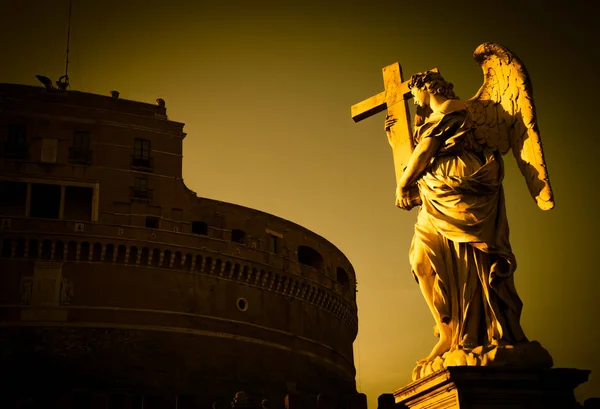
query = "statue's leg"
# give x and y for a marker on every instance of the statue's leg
(474, 324)
(474, 331)
(427, 248)
(426, 276)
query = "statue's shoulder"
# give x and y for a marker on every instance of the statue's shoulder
(451, 111)
(453, 105)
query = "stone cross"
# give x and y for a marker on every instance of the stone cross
(395, 99)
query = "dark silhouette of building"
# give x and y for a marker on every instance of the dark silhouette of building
(121, 288)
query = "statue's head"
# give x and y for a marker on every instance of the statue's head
(430, 82)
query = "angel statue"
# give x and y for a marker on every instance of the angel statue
(460, 254)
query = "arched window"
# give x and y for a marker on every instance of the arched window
(198, 265)
(7, 247)
(97, 252)
(121, 252)
(188, 262)
(84, 251)
(166, 261)
(109, 252)
(310, 257)
(33, 248)
(71, 250)
(20, 250)
(342, 277)
(155, 258)
(59, 250)
(46, 249)
(177, 263)
(133, 252)
(238, 236)
(145, 257)
(200, 228)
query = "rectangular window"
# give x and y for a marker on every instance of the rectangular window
(140, 189)
(141, 154)
(152, 222)
(13, 198)
(45, 201)
(78, 203)
(141, 149)
(81, 141)
(17, 133)
(273, 245)
(16, 140)
(81, 149)
(199, 228)
(140, 185)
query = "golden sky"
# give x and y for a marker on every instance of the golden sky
(265, 89)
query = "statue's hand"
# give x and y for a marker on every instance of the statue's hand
(389, 121)
(403, 198)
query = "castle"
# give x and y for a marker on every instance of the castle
(121, 288)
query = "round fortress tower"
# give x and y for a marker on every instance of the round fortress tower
(119, 284)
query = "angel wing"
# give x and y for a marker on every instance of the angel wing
(503, 115)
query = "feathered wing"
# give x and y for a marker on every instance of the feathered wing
(503, 114)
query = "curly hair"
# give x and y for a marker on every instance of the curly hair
(434, 83)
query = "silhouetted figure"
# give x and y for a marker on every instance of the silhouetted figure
(358, 401)
(386, 401)
(294, 400)
(240, 400)
(324, 402)
(265, 404)
(161, 107)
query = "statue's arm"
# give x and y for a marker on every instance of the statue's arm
(417, 163)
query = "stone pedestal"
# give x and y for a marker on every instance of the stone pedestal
(468, 387)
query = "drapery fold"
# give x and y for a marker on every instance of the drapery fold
(462, 237)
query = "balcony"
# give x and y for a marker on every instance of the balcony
(137, 193)
(16, 149)
(142, 164)
(80, 156)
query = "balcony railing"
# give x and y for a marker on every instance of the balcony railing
(80, 155)
(140, 194)
(144, 164)
(16, 149)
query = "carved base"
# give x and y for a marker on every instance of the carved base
(525, 355)
(470, 387)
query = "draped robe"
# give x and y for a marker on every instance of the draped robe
(462, 237)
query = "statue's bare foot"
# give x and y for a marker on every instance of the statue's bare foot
(439, 349)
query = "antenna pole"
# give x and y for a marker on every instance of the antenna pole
(68, 41)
